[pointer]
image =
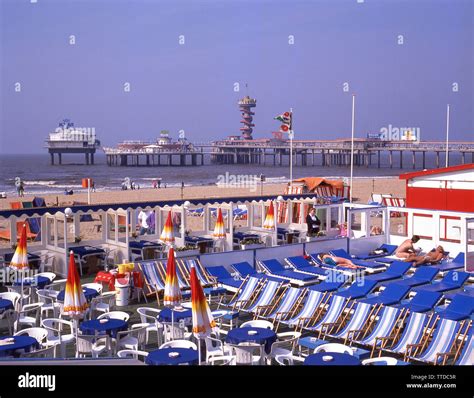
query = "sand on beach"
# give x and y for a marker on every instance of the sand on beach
(362, 190)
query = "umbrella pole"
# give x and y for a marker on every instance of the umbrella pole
(172, 323)
(199, 351)
(76, 332)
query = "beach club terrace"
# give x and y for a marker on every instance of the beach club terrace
(275, 298)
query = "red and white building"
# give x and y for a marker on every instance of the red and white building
(448, 188)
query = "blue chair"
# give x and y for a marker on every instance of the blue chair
(431, 350)
(451, 281)
(461, 307)
(422, 302)
(288, 300)
(392, 294)
(244, 269)
(368, 264)
(388, 250)
(250, 287)
(466, 357)
(421, 276)
(311, 305)
(266, 296)
(356, 290)
(396, 270)
(299, 263)
(224, 277)
(274, 268)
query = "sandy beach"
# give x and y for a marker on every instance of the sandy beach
(363, 188)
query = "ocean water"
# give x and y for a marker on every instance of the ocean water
(40, 177)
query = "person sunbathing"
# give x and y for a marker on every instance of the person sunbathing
(329, 259)
(433, 257)
(406, 248)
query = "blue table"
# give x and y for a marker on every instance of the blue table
(338, 359)
(83, 251)
(111, 327)
(238, 236)
(161, 357)
(140, 246)
(5, 305)
(37, 281)
(33, 259)
(262, 336)
(165, 315)
(20, 344)
(88, 293)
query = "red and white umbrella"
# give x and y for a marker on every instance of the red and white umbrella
(172, 294)
(19, 261)
(167, 236)
(75, 303)
(219, 228)
(269, 222)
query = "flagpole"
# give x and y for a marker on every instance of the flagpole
(352, 147)
(291, 148)
(447, 136)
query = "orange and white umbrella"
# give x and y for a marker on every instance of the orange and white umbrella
(172, 294)
(167, 236)
(203, 321)
(75, 303)
(269, 222)
(19, 260)
(219, 228)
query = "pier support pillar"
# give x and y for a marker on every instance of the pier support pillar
(424, 162)
(401, 159)
(463, 157)
(52, 158)
(378, 159)
(437, 160)
(92, 158)
(391, 159)
(413, 159)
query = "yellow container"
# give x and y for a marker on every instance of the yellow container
(126, 267)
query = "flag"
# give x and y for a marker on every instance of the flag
(286, 119)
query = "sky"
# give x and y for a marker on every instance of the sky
(404, 61)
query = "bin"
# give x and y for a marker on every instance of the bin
(122, 289)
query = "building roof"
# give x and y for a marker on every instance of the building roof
(442, 170)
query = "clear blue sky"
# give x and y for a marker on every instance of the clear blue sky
(190, 86)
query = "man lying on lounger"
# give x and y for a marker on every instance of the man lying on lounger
(329, 259)
(406, 249)
(433, 257)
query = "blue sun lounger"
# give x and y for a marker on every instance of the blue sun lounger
(396, 270)
(461, 307)
(250, 286)
(356, 290)
(311, 305)
(451, 281)
(266, 296)
(468, 291)
(333, 282)
(422, 302)
(392, 294)
(444, 337)
(285, 304)
(224, 277)
(274, 268)
(245, 269)
(421, 276)
(467, 354)
(316, 260)
(388, 250)
(368, 264)
(456, 263)
(299, 263)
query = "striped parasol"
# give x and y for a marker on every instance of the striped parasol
(167, 236)
(269, 222)
(75, 304)
(172, 295)
(19, 260)
(219, 228)
(203, 321)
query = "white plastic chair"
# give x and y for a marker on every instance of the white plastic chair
(258, 323)
(26, 295)
(248, 353)
(14, 297)
(47, 352)
(57, 285)
(215, 347)
(92, 345)
(284, 346)
(136, 354)
(149, 315)
(47, 263)
(132, 339)
(10, 317)
(94, 286)
(48, 299)
(103, 303)
(179, 344)
(60, 332)
(380, 360)
(40, 334)
(174, 332)
(221, 360)
(29, 315)
(285, 359)
(115, 315)
(50, 275)
(334, 347)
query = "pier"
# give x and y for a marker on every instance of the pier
(144, 158)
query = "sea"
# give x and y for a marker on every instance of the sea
(39, 177)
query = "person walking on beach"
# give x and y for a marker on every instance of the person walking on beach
(313, 222)
(21, 190)
(406, 248)
(143, 222)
